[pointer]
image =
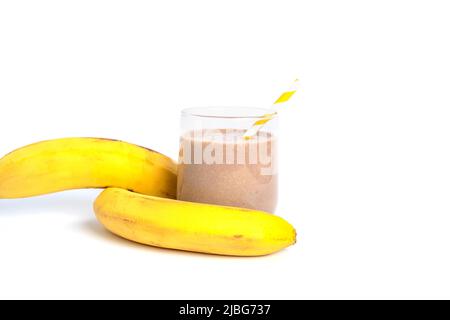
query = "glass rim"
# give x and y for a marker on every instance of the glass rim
(224, 112)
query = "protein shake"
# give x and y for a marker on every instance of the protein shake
(218, 166)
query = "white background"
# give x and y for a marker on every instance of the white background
(365, 155)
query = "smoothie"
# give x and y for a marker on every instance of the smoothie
(220, 167)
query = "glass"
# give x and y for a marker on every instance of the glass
(218, 166)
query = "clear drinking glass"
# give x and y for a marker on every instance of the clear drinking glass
(218, 166)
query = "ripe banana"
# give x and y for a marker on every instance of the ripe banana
(75, 163)
(192, 226)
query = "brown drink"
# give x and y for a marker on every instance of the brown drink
(221, 167)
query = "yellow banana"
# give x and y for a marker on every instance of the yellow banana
(75, 163)
(192, 226)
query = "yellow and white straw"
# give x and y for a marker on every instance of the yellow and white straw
(272, 112)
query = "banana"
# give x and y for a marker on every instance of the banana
(192, 226)
(75, 163)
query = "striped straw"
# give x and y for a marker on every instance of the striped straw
(273, 111)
